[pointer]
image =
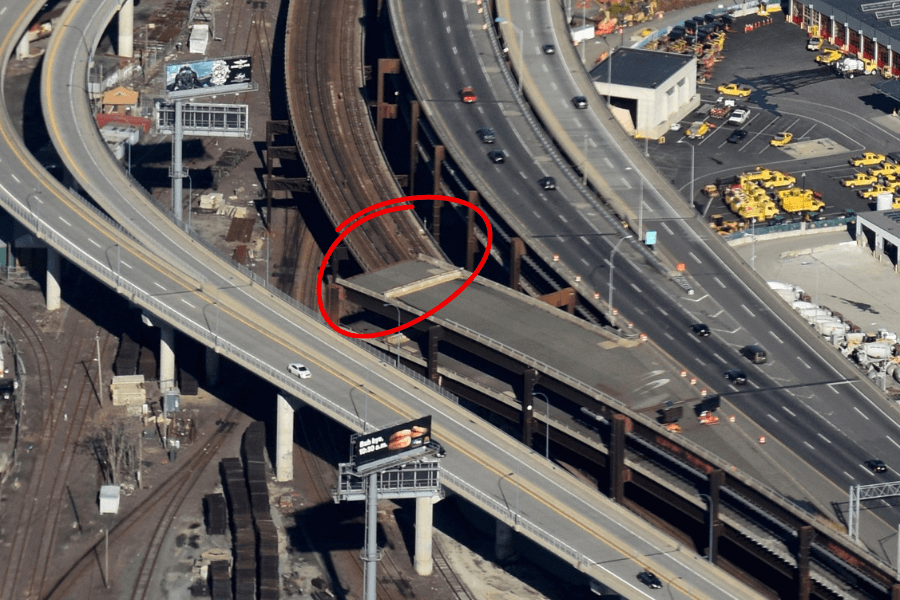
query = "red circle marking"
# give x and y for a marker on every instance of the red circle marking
(381, 209)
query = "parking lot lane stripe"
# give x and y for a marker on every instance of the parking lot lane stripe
(806, 133)
(862, 414)
(608, 162)
(803, 363)
(638, 290)
(892, 441)
(585, 262)
(592, 143)
(750, 312)
(536, 214)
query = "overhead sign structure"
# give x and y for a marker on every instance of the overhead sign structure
(391, 442)
(208, 77)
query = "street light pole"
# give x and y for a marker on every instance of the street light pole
(753, 240)
(608, 73)
(190, 195)
(709, 552)
(612, 256)
(398, 326)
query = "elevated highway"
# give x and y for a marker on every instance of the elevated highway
(184, 284)
(217, 303)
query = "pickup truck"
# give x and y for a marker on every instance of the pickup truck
(739, 116)
(733, 89)
(779, 180)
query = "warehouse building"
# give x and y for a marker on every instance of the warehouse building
(867, 30)
(648, 90)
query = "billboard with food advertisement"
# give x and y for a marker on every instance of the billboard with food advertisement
(394, 440)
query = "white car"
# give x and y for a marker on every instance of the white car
(739, 116)
(299, 370)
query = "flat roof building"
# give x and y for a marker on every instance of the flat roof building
(647, 89)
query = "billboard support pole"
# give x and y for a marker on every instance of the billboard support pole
(371, 554)
(176, 162)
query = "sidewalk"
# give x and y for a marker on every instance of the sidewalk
(836, 273)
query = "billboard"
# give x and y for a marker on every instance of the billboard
(202, 77)
(369, 447)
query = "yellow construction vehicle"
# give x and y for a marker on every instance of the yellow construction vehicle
(783, 140)
(697, 129)
(779, 180)
(829, 56)
(798, 200)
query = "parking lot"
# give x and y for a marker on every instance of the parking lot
(831, 120)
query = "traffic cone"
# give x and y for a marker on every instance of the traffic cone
(762, 439)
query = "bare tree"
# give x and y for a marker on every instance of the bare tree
(112, 444)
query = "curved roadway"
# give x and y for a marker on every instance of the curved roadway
(808, 396)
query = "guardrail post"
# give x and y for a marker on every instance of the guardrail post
(471, 241)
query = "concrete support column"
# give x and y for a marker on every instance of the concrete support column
(503, 542)
(54, 292)
(284, 440)
(212, 367)
(126, 29)
(879, 246)
(516, 252)
(804, 541)
(22, 48)
(166, 357)
(435, 335)
(862, 43)
(424, 518)
(616, 457)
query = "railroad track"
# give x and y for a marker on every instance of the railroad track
(68, 393)
(342, 543)
(169, 496)
(337, 142)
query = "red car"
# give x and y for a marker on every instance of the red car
(467, 95)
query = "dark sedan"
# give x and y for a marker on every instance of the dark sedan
(548, 183)
(736, 376)
(876, 465)
(650, 580)
(579, 102)
(497, 156)
(700, 329)
(736, 136)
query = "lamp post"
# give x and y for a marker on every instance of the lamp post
(398, 326)
(803, 185)
(753, 240)
(608, 73)
(521, 33)
(612, 256)
(584, 167)
(547, 420)
(709, 552)
(190, 195)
